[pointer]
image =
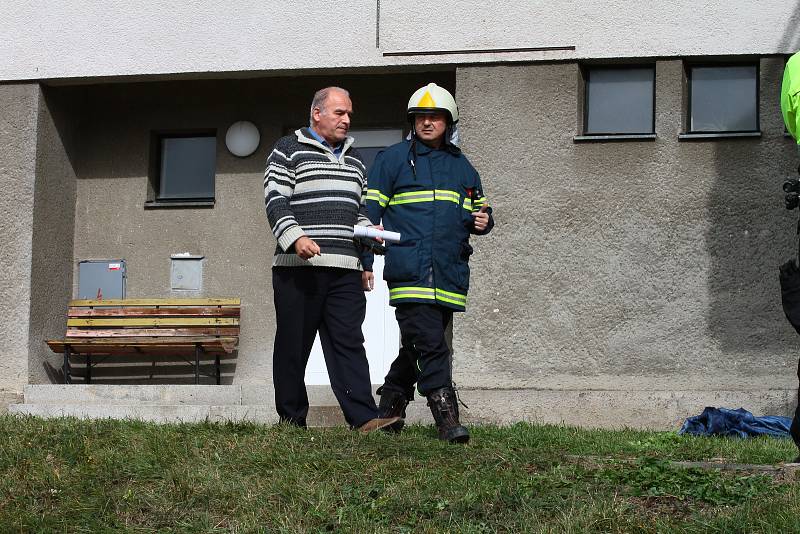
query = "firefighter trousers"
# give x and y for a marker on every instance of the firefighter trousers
(424, 357)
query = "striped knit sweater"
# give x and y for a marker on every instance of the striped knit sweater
(309, 191)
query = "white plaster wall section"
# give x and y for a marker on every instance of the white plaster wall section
(88, 38)
(598, 28)
(98, 38)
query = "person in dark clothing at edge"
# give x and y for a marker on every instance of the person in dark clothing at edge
(314, 190)
(790, 107)
(426, 189)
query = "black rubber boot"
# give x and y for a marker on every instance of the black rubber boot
(393, 404)
(444, 408)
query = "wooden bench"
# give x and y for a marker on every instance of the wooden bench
(185, 328)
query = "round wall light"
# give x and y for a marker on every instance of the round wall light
(242, 138)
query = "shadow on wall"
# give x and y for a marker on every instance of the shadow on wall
(750, 232)
(57, 144)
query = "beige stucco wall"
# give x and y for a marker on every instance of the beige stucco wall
(629, 276)
(234, 237)
(18, 127)
(625, 282)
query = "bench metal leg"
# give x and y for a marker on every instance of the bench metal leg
(219, 372)
(88, 368)
(197, 349)
(67, 370)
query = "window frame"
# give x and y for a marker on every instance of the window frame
(154, 175)
(584, 136)
(688, 133)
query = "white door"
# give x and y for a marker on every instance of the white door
(381, 333)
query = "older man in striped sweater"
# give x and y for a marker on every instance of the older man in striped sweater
(314, 189)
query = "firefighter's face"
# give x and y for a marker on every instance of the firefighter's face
(430, 128)
(332, 119)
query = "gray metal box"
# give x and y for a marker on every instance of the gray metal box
(101, 279)
(186, 272)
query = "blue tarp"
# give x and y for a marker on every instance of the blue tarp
(741, 423)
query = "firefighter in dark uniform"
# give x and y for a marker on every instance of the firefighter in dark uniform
(426, 189)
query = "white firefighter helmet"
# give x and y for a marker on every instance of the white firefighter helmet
(430, 98)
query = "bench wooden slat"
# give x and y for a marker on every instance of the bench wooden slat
(145, 332)
(151, 311)
(133, 345)
(186, 351)
(156, 321)
(156, 302)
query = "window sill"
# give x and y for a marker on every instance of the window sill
(161, 204)
(721, 135)
(613, 137)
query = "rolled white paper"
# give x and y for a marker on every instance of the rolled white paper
(372, 233)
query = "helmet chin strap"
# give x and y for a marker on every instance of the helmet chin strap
(451, 135)
(412, 159)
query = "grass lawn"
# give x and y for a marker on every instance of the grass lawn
(94, 476)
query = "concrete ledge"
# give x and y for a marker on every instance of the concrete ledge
(133, 395)
(659, 410)
(8, 398)
(151, 413)
(318, 416)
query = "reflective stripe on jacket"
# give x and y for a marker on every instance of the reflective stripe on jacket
(430, 203)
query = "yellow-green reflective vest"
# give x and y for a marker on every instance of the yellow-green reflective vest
(790, 96)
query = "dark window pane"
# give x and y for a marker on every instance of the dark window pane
(187, 167)
(620, 101)
(724, 99)
(368, 155)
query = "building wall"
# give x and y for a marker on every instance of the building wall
(624, 281)
(86, 38)
(18, 127)
(53, 230)
(234, 237)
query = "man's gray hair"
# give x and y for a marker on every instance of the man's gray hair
(319, 101)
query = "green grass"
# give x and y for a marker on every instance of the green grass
(78, 476)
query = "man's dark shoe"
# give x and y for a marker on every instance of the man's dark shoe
(378, 423)
(290, 421)
(393, 404)
(444, 408)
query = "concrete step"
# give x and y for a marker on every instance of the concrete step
(157, 413)
(64, 394)
(318, 416)
(180, 403)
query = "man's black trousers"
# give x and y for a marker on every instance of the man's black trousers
(331, 301)
(424, 356)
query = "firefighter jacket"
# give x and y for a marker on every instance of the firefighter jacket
(790, 96)
(428, 196)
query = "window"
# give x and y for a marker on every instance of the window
(723, 99)
(370, 142)
(183, 168)
(619, 101)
